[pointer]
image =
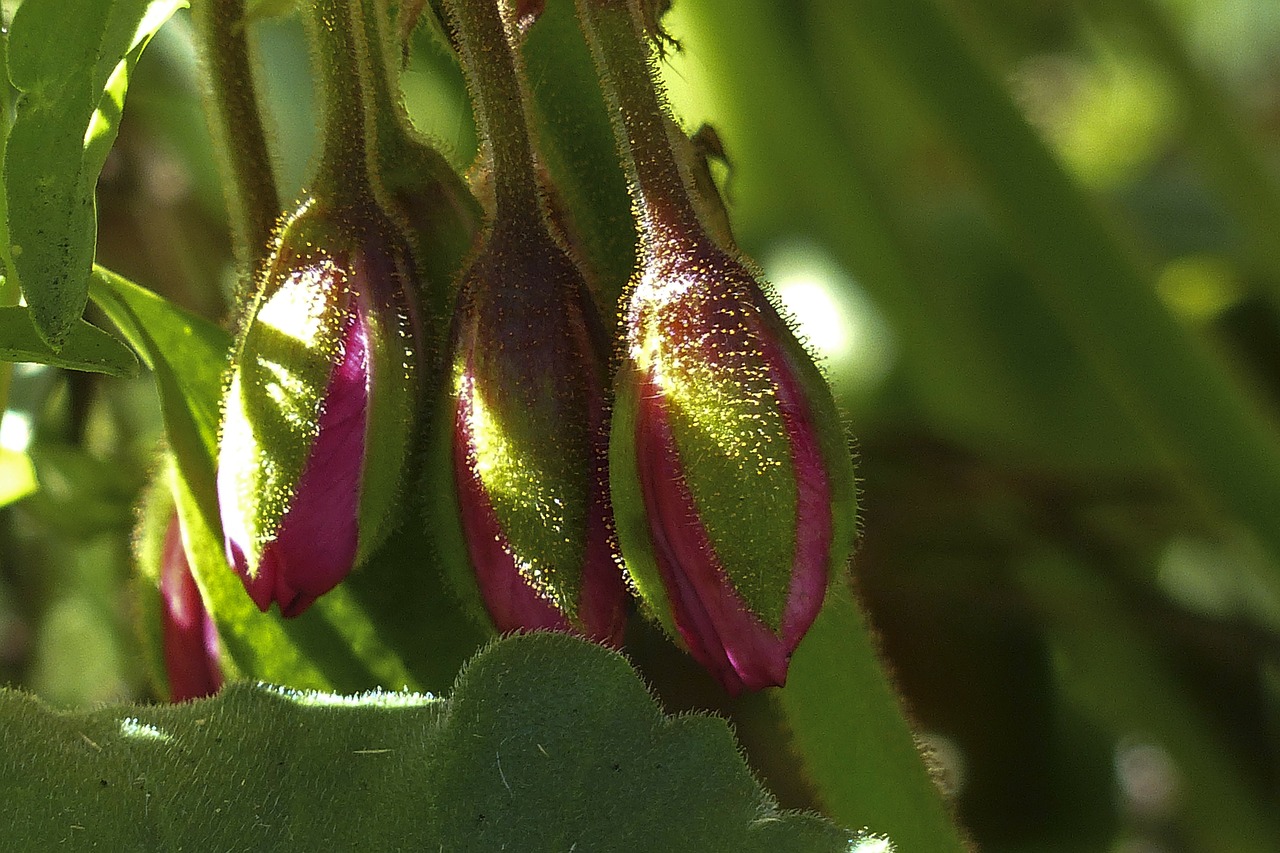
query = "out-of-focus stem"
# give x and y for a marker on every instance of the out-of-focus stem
(235, 120)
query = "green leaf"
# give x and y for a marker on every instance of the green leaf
(17, 477)
(852, 737)
(187, 356)
(85, 347)
(72, 81)
(547, 743)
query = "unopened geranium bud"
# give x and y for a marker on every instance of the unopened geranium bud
(320, 405)
(527, 440)
(188, 635)
(529, 443)
(730, 466)
(732, 484)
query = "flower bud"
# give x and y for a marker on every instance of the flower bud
(320, 406)
(188, 633)
(732, 483)
(529, 442)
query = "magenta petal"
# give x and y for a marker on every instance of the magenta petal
(721, 632)
(603, 607)
(190, 639)
(814, 525)
(315, 547)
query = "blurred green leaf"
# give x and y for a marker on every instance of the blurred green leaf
(85, 347)
(852, 737)
(1116, 675)
(547, 743)
(1182, 396)
(82, 496)
(1229, 155)
(73, 81)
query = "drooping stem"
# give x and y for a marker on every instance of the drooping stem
(235, 121)
(338, 36)
(493, 75)
(623, 54)
(388, 113)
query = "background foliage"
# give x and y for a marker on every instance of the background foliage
(1036, 245)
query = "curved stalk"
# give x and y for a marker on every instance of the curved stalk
(235, 121)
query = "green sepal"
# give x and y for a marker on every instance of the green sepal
(524, 330)
(833, 440)
(705, 343)
(439, 215)
(396, 365)
(629, 515)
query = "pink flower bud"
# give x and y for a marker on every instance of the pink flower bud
(315, 546)
(529, 443)
(320, 409)
(730, 463)
(732, 484)
(190, 639)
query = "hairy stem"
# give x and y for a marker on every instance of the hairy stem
(235, 121)
(493, 76)
(338, 37)
(389, 117)
(623, 53)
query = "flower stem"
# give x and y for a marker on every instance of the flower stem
(388, 114)
(340, 44)
(493, 75)
(235, 121)
(659, 181)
